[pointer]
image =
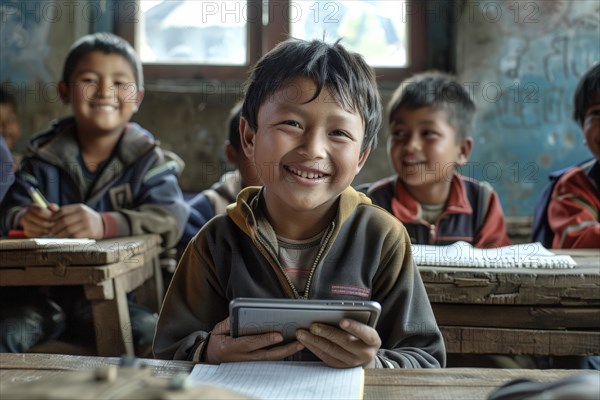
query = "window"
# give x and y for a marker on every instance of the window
(197, 39)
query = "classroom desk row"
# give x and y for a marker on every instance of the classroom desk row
(479, 310)
(426, 384)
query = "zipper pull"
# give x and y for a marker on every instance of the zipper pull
(432, 234)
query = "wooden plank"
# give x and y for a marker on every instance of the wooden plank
(573, 287)
(77, 275)
(125, 249)
(475, 340)
(523, 317)
(410, 383)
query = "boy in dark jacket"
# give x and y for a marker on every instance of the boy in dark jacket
(102, 176)
(309, 121)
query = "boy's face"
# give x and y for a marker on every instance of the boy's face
(9, 124)
(306, 154)
(102, 93)
(591, 126)
(423, 149)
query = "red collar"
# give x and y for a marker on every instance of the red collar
(409, 210)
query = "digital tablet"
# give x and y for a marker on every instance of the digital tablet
(250, 316)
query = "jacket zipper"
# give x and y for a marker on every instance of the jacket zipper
(317, 259)
(312, 271)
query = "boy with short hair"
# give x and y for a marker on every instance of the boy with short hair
(574, 209)
(309, 121)
(102, 175)
(430, 117)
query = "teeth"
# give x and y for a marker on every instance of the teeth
(412, 162)
(306, 174)
(105, 107)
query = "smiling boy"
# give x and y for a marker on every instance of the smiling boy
(430, 122)
(309, 121)
(103, 177)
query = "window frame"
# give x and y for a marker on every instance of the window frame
(261, 39)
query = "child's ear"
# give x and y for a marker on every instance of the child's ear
(362, 158)
(139, 96)
(466, 146)
(63, 92)
(247, 138)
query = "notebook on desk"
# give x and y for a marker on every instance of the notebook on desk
(42, 243)
(283, 379)
(463, 254)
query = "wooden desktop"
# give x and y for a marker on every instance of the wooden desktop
(107, 270)
(430, 384)
(518, 310)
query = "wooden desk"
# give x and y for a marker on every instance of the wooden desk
(518, 310)
(429, 384)
(107, 270)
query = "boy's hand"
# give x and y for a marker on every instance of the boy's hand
(77, 221)
(221, 347)
(37, 220)
(352, 345)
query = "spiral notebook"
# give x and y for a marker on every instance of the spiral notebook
(463, 254)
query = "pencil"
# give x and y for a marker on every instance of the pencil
(37, 197)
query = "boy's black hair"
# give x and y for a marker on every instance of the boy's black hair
(108, 44)
(588, 85)
(346, 74)
(233, 122)
(6, 97)
(440, 91)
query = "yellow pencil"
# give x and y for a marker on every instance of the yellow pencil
(37, 197)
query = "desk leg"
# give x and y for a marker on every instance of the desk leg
(151, 292)
(111, 318)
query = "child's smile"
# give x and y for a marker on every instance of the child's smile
(103, 93)
(306, 175)
(306, 151)
(424, 150)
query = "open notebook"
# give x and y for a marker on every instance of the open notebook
(283, 379)
(463, 254)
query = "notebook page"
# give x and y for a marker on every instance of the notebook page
(526, 255)
(283, 379)
(42, 243)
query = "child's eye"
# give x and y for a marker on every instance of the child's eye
(295, 124)
(428, 133)
(341, 133)
(398, 134)
(87, 79)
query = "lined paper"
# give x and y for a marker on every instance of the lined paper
(283, 379)
(463, 254)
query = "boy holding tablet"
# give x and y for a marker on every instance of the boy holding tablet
(309, 121)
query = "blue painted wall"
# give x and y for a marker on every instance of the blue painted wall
(522, 61)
